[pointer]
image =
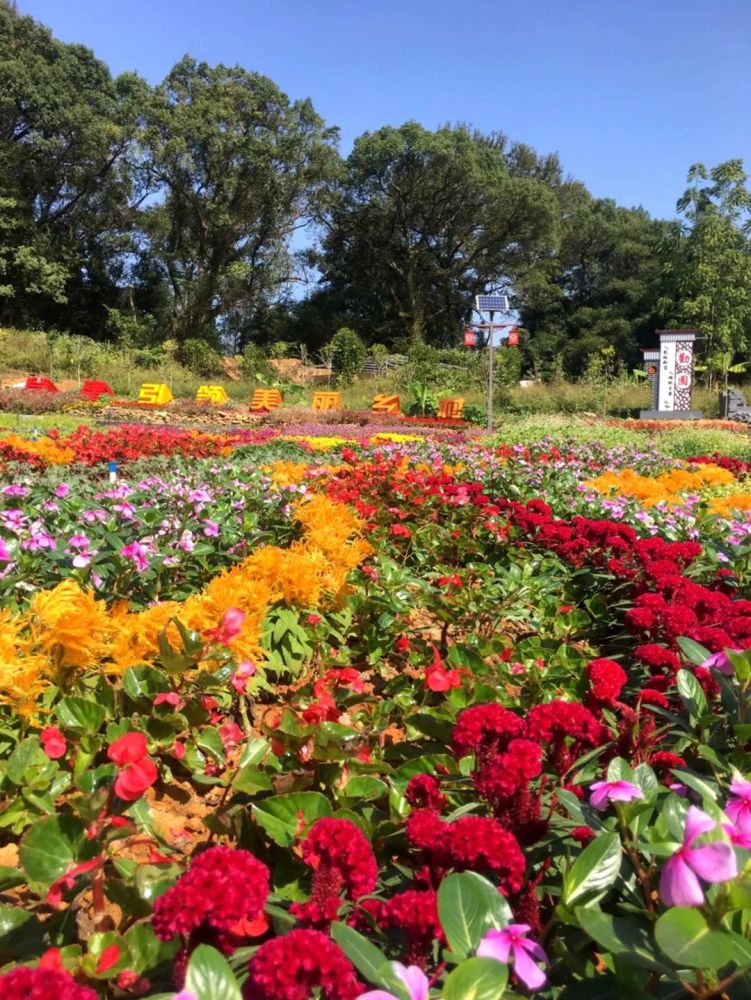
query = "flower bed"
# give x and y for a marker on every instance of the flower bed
(397, 717)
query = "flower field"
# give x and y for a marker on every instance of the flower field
(372, 715)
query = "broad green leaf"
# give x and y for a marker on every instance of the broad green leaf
(53, 846)
(144, 683)
(254, 751)
(210, 977)
(684, 936)
(366, 958)
(80, 715)
(595, 870)
(281, 815)
(620, 936)
(364, 786)
(692, 695)
(251, 779)
(476, 979)
(29, 764)
(468, 905)
(693, 651)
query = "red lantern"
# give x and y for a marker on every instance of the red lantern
(470, 337)
(513, 337)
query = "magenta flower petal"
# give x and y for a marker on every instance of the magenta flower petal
(377, 995)
(495, 944)
(526, 969)
(413, 978)
(602, 792)
(679, 886)
(697, 823)
(740, 787)
(739, 812)
(713, 862)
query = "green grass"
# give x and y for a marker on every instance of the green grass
(25, 424)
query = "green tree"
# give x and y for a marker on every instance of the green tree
(421, 222)
(348, 354)
(597, 292)
(708, 258)
(236, 169)
(67, 131)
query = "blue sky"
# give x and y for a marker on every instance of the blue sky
(628, 92)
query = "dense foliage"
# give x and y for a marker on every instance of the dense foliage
(347, 718)
(142, 214)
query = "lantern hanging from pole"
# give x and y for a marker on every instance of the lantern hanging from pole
(513, 337)
(470, 337)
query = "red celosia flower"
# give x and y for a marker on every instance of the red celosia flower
(211, 901)
(337, 846)
(53, 742)
(502, 775)
(477, 843)
(425, 829)
(490, 727)
(424, 792)
(413, 913)
(583, 834)
(23, 983)
(292, 966)
(607, 679)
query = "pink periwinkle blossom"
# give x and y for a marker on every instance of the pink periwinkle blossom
(738, 809)
(62, 490)
(603, 792)
(137, 554)
(715, 862)
(413, 978)
(721, 662)
(15, 490)
(210, 528)
(512, 943)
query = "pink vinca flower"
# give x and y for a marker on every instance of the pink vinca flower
(512, 943)
(137, 554)
(210, 528)
(738, 809)
(603, 792)
(413, 978)
(716, 862)
(721, 662)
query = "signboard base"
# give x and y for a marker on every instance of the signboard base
(670, 414)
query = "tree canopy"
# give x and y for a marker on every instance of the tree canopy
(214, 207)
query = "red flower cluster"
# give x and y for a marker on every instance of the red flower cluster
(485, 727)
(567, 728)
(216, 901)
(606, 679)
(470, 843)
(24, 983)
(292, 966)
(424, 792)
(414, 914)
(342, 861)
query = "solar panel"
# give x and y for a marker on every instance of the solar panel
(492, 303)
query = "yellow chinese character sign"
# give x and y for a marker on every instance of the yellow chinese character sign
(265, 400)
(384, 403)
(327, 401)
(214, 394)
(154, 394)
(450, 409)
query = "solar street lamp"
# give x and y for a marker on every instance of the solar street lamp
(491, 304)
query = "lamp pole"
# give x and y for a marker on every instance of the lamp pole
(490, 372)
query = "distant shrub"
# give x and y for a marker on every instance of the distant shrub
(256, 364)
(348, 353)
(200, 357)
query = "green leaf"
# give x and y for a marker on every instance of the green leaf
(366, 958)
(144, 683)
(254, 751)
(365, 786)
(683, 934)
(595, 869)
(279, 817)
(476, 979)
(209, 740)
(250, 779)
(53, 846)
(468, 905)
(693, 651)
(10, 878)
(210, 977)
(79, 715)
(29, 764)
(692, 695)
(620, 936)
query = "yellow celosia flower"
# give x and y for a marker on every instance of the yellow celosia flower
(45, 448)
(69, 625)
(385, 438)
(669, 487)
